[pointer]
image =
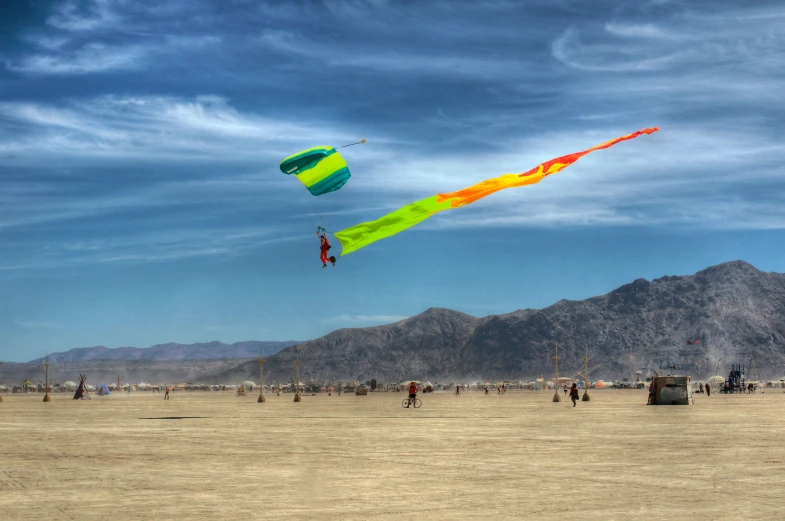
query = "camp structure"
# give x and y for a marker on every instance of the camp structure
(249, 385)
(716, 382)
(404, 385)
(81, 388)
(102, 390)
(670, 390)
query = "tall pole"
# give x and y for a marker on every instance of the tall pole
(261, 378)
(297, 397)
(46, 384)
(1, 396)
(556, 397)
(586, 377)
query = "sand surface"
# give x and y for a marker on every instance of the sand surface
(205, 455)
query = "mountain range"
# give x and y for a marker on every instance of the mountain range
(694, 324)
(170, 351)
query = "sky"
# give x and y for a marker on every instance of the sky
(141, 200)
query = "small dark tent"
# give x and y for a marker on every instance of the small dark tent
(80, 389)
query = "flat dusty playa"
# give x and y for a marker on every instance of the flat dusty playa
(365, 457)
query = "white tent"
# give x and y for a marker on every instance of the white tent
(716, 381)
(249, 385)
(70, 385)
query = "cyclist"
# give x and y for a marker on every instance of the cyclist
(412, 392)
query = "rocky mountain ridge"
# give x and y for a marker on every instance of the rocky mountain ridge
(170, 351)
(734, 311)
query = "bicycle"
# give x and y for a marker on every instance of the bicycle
(408, 401)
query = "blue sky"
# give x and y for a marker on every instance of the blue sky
(141, 201)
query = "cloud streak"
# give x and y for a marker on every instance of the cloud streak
(119, 127)
(369, 318)
(33, 324)
(91, 58)
(98, 14)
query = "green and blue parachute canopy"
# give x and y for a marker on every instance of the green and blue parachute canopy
(321, 169)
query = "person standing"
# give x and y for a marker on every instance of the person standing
(166, 396)
(412, 392)
(574, 394)
(708, 389)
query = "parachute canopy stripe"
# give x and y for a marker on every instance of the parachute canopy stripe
(330, 183)
(320, 169)
(361, 235)
(304, 158)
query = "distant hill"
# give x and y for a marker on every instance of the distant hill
(733, 310)
(107, 371)
(170, 351)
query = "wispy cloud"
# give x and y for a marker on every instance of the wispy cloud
(480, 65)
(569, 50)
(33, 324)
(101, 36)
(96, 14)
(218, 328)
(632, 30)
(143, 248)
(205, 127)
(702, 40)
(369, 318)
(91, 58)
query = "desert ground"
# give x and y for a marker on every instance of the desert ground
(206, 455)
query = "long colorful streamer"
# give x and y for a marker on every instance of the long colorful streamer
(363, 234)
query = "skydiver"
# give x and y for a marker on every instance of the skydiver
(324, 246)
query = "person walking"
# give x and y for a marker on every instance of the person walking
(166, 396)
(708, 389)
(574, 394)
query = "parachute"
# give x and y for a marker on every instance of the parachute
(321, 169)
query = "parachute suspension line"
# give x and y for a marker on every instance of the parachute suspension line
(318, 208)
(352, 144)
